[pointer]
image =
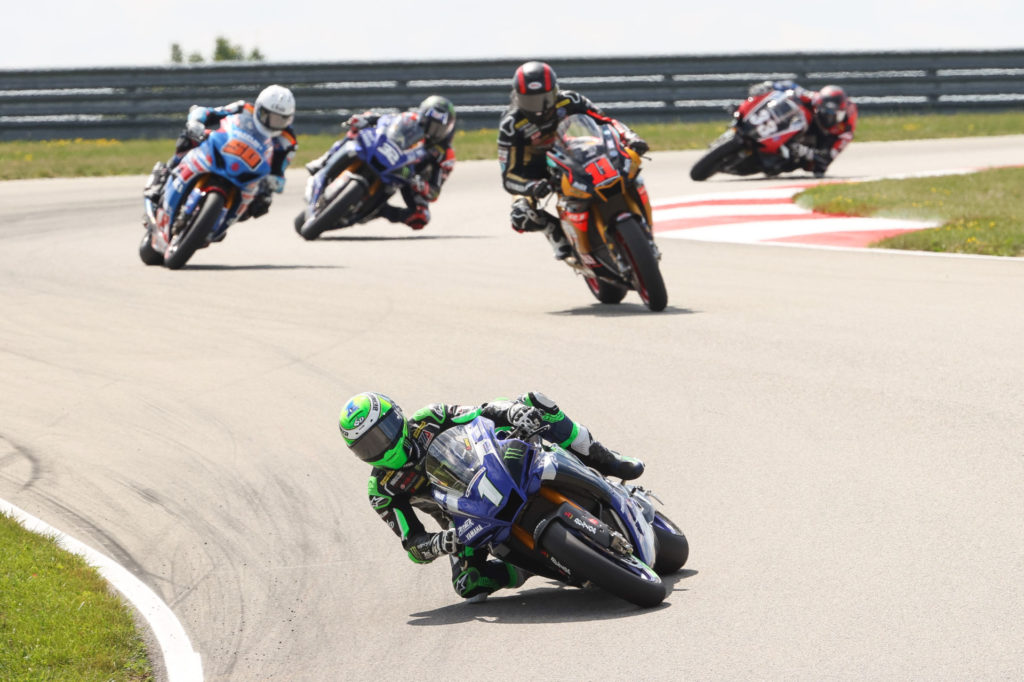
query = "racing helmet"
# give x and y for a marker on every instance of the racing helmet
(535, 91)
(274, 110)
(830, 106)
(375, 429)
(437, 116)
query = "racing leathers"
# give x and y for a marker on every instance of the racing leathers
(396, 493)
(200, 121)
(818, 147)
(429, 176)
(522, 150)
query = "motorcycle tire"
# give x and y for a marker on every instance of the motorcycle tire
(673, 548)
(712, 162)
(588, 563)
(604, 291)
(299, 221)
(185, 243)
(147, 253)
(646, 275)
(333, 212)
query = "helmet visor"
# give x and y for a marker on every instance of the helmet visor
(376, 442)
(273, 120)
(536, 103)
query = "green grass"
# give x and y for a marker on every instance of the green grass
(75, 158)
(58, 617)
(979, 213)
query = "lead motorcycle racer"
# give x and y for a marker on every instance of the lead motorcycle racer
(377, 432)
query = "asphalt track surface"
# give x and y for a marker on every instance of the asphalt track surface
(839, 433)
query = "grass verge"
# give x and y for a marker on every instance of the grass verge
(979, 213)
(75, 158)
(58, 617)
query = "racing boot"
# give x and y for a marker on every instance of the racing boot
(557, 240)
(611, 463)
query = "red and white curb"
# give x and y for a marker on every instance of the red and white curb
(769, 216)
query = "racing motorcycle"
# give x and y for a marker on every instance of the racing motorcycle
(361, 175)
(762, 127)
(538, 507)
(205, 193)
(605, 213)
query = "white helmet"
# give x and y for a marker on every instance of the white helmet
(274, 110)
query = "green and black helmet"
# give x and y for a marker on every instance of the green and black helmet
(375, 430)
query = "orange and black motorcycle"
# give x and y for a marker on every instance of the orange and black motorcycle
(605, 212)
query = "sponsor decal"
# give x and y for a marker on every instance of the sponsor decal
(584, 525)
(564, 569)
(378, 501)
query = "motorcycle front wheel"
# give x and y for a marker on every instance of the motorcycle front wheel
(643, 588)
(194, 235)
(604, 291)
(332, 214)
(646, 275)
(712, 162)
(673, 548)
(147, 253)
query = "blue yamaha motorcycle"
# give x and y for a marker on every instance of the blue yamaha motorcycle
(205, 193)
(538, 507)
(361, 174)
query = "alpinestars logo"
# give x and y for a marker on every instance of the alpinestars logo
(378, 501)
(460, 582)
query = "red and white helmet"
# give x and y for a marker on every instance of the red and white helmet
(830, 106)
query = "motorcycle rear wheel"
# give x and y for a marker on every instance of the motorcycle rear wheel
(184, 244)
(712, 162)
(604, 291)
(647, 279)
(588, 563)
(673, 548)
(333, 212)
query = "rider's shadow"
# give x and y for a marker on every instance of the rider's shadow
(620, 310)
(549, 602)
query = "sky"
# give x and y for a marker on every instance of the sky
(72, 33)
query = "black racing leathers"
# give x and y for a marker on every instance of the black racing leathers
(523, 144)
(396, 494)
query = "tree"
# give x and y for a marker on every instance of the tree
(223, 51)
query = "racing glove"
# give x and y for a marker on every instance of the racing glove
(526, 421)
(195, 131)
(446, 542)
(538, 189)
(639, 145)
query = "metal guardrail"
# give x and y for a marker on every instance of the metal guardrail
(151, 102)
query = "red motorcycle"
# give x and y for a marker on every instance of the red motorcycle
(757, 141)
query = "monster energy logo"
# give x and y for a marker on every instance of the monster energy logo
(515, 451)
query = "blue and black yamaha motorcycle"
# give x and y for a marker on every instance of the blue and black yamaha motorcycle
(205, 193)
(538, 507)
(362, 172)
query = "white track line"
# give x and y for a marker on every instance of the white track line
(182, 662)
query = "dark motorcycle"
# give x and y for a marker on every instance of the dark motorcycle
(538, 507)
(757, 141)
(361, 174)
(605, 212)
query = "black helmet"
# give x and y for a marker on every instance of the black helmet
(830, 105)
(534, 91)
(437, 116)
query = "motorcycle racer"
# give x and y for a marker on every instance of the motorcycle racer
(833, 121)
(270, 116)
(436, 115)
(525, 134)
(377, 432)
